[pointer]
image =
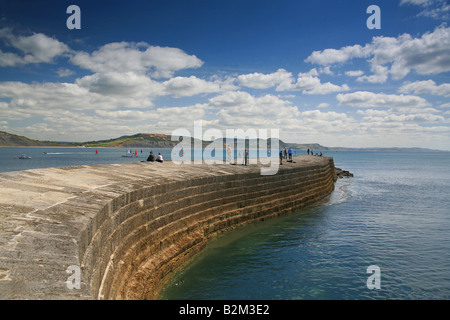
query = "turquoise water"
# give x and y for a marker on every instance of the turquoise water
(394, 213)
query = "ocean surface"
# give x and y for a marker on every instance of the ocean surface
(393, 214)
(45, 157)
(11, 158)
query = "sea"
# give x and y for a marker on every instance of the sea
(382, 234)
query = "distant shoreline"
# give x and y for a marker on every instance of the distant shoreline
(327, 149)
(162, 141)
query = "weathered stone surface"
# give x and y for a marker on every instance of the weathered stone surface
(129, 227)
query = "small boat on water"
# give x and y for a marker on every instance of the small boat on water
(130, 154)
(24, 157)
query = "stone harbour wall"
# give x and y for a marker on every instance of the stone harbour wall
(121, 231)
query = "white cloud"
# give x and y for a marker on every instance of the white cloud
(309, 83)
(366, 99)
(323, 105)
(231, 99)
(50, 98)
(416, 2)
(354, 73)
(396, 117)
(427, 54)
(436, 9)
(62, 72)
(319, 115)
(426, 87)
(160, 62)
(380, 75)
(8, 59)
(189, 86)
(402, 114)
(126, 85)
(281, 78)
(37, 48)
(331, 56)
(178, 115)
(326, 70)
(373, 112)
(241, 109)
(414, 118)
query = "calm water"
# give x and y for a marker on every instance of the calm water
(45, 157)
(59, 157)
(395, 214)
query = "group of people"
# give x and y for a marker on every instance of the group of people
(152, 158)
(286, 154)
(312, 152)
(230, 159)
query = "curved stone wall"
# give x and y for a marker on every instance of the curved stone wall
(130, 227)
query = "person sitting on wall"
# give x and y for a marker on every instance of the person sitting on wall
(151, 157)
(159, 158)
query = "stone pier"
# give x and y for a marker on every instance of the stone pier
(128, 228)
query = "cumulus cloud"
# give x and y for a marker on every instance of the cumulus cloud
(399, 116)
(189, 86)
(319, 115)
(398, 56)
(160, 62)
(426, 87)
(37, 48)
(323, 105)
(354, 73)
(281, 79)
(124, 84)
(178, 115)
(366, 99)
(46, 98)
(380, 75)
(238, 108)
(331, 56)
(308, 82)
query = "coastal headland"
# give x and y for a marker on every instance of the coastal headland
(121, 231)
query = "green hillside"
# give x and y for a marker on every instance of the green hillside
(12, 140)
(139, 140)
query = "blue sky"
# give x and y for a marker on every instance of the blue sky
(311, 69)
